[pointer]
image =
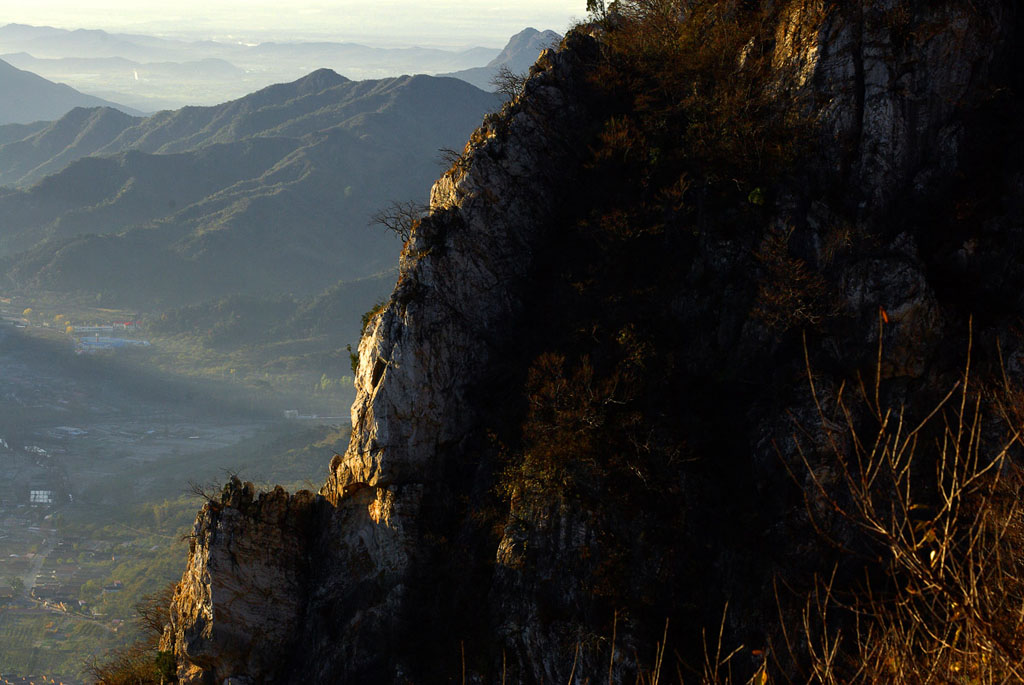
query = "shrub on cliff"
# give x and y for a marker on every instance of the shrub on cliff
(701, 99)
(668, 317)
(141, 663)
(929, 512)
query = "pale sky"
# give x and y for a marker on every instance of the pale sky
(454, 23)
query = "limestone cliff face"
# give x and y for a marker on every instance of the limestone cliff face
(890, 79)
(460, 284)
(456, 298)
(363, 581)
(240, 599)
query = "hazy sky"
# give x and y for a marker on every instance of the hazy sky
(384, 22)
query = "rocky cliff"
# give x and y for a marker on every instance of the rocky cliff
(580, 412)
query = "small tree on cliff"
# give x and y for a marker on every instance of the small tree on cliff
(399, 218)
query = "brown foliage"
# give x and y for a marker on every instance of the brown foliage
(700, 84)
(567, 417)
(790, 294)
(132, 665)
(140, 663)
(942, 600)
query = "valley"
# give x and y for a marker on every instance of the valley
(182, 295)
(101, 464)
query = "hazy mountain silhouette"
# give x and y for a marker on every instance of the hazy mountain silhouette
(210, 68)
(519, 54)
(49, 42)
(10, 133)
(29, 98)
(407, 107)
(152, 73)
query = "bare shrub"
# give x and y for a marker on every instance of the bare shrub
(140, 663)
(509, 84)
(132, 665)
(399, 218)
(152, 613)
(452, 160)
(207, 492)
(937, 500)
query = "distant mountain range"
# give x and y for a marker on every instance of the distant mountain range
(267, 194)
(152, 73)
(29, 98)
(520, 53)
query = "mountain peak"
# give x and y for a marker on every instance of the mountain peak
(519, 54)
(522, 49)
(310, 84)
(90, 32)
(324, 77)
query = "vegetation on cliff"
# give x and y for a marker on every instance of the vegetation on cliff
(673, 315)
(715, 434)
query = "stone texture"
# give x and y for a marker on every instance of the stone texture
(457, 290)
(305, 589)
(888, 80)
(241, 598)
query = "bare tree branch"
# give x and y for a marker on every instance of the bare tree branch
(399, 218)
(509, 84)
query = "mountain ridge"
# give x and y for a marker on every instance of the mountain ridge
(518, 55)
(155, 76)
(322, 94)
(31, 98)
(201, 189)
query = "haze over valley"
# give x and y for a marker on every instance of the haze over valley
(151, 73)
(404, 342)
(189, 247)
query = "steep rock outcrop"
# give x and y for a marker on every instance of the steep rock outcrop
(892, 81)
(238, 605)
(457, 290)
(455, 300)
(894, 93)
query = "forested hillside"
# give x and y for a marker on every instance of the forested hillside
(269, 194)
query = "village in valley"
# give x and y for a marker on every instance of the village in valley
(46, 575)
(94, 438)
(91, 337)
(81, 447)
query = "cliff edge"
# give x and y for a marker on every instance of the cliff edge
(585, 410)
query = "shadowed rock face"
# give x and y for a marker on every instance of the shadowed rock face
(348, 586)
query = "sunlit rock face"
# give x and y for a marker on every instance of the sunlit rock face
(456, 297)
(353, 584)
(241, 597)
(460, 282)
